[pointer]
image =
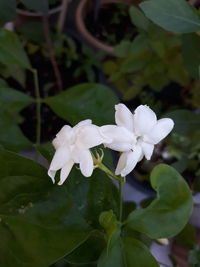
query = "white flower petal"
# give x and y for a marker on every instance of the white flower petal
(84, 158)
(159, 131)
(65, 171)
(63, 136)
(61, 156)
(144, 120)
(52, 174)
(122, 139)
(128, 161)
(82, 123)
(89, 136)
(124, 117)
(147, 149)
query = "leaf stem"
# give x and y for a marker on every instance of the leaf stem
(38, 107)
(120, 201)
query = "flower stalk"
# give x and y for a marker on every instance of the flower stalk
(38, 107)
(98, 164)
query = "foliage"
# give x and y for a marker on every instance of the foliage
(153, 58)
(79, 223)
(172, 15)
(62, 221)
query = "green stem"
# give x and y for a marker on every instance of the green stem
(38, 107)
(109, 173)
(120, 201)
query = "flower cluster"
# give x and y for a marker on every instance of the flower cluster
(135, 135)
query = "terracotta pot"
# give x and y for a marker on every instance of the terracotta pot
(24, 16)
(83, 8)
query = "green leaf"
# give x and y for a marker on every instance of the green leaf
(138, 18)
(191, 54)
(112, 227)
(169, 212)
(11, 50)
(172, 15)
(85, 101)
(41, 222)
(11, 102)
(18, 73)
(122, 49)
(185, 121)
(194, 256)
(7, 11)
(37, 5)
(187, 237)
(88, 252)
(127, 252)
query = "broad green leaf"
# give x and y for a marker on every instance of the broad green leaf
(3, 83)
(11, 50)
(11, 102)
(89, 251)
(186, 121)
(85, 101)
(169, 212)
(191, 54)
(172, 15)
(37, 5)
(11, 136)
(7, 11)
(127, 252)
(41, 222)
(18, 73)
(138, 18)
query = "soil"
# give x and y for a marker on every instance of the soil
(104, 26)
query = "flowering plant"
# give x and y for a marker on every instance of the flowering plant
(85, 220)
(75, 220)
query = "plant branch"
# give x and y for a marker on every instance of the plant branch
(120, 201)
(38, 107)
(51, 53)
(62, 17)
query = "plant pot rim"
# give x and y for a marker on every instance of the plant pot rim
(80, 23)
(38, 14)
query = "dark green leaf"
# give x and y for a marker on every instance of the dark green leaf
(138, 18)
(11, 50)
(186, 121)
(194, 256)
(37, 5)
(7, 11)
(172, 15)
(88, 252)
(127, 252)
(85, 101)
(11, 102)
(169, 213)
(191, 54)
(41, 222)
(187, 237)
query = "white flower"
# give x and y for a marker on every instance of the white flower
(72, 146)
(135, 135)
